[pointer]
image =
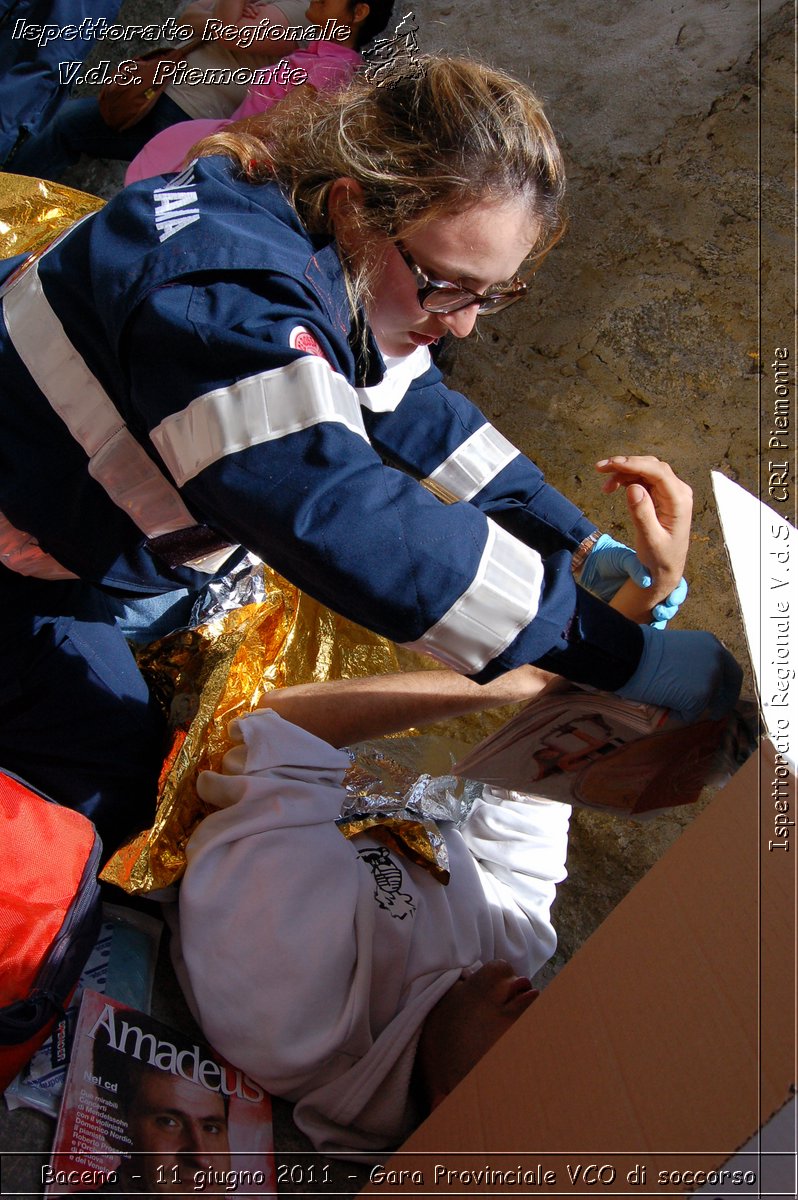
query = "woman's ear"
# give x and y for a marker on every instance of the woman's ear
(344, 202)
(359, 13)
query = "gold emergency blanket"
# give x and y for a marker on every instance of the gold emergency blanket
(208, 676)
(33, 212)
(205, 678)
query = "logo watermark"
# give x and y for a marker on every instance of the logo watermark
(390, 59)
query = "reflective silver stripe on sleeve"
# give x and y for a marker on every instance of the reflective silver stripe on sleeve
(20, 552)
(502, 599)
(260, 408)
(116, 460)
(473, 464)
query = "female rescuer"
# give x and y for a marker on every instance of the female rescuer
(239, 355)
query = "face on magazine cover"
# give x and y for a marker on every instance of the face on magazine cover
(183, 1128)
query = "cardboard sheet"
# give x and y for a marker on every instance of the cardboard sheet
(657, 1051)
(758, 536)
(669, 1040)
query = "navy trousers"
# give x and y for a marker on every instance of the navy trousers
(77, 128)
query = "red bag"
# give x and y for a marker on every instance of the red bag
(123, 102)
(49, 916)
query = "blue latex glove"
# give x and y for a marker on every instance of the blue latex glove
(687, 671)
(607, 568)
(661, 613)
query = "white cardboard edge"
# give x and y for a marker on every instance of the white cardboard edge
(763, 554)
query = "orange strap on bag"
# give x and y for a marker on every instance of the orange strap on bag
(49, 916)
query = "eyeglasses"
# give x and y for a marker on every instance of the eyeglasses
(438, 296)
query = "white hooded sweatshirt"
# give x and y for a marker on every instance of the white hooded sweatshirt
(312, 960)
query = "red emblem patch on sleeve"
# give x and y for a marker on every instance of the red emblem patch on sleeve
(302, 339)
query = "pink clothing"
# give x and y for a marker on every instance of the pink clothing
(328, 65)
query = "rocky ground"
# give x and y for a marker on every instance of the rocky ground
(642, 332)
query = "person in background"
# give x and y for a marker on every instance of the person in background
(78, 128)
(325, 65)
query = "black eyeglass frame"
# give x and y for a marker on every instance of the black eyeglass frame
(489, 302)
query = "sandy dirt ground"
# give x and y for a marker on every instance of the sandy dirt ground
(642, 333)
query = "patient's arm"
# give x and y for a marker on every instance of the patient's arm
(344, 711)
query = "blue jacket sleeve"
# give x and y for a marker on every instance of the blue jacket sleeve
(442, 438)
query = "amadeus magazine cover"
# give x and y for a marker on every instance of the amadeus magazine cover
(147, 1109)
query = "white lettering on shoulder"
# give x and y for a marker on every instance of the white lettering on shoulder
(175, 204)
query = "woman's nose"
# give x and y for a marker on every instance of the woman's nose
(462, 322)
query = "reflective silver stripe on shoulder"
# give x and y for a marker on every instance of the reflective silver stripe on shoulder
(59, 371)
(20, 552)
(260, 408)
(116, 460)
(131, 479)
(388, 394)
(502, 599)
(473, 464)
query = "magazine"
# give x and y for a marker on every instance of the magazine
(148, 1109)
(595, 750)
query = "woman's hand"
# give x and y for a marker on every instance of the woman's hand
(660, 506)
